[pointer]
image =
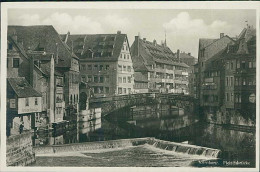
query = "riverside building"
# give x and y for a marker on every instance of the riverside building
(160, 66)
(105, 62)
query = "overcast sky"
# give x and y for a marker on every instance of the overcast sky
(183, 27)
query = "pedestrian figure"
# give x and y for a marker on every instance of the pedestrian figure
(21, 128)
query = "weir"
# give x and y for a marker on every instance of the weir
(161, 144)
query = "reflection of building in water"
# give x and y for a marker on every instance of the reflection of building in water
(89, 120)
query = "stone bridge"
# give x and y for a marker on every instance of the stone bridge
(113, 103)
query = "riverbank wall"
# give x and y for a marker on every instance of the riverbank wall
(19, 150)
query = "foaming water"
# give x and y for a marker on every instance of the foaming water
(178, 154)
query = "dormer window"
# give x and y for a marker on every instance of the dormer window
(16, 62)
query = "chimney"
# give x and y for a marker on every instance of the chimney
(119, 32)
(189, 54)
(137, 42)
(57, 54)
(144, 39)
(178, 55)
(221, 35)
(154, 42)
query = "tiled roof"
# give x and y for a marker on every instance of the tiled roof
(158, 51)
(149, 53)
(140, 77)
(247, 33)
(185, 55)
(43, 36)
(205, 42)
(22, 88)
(98, 43)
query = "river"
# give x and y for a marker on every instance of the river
(237, 147)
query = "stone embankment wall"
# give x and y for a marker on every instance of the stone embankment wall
(19, 151)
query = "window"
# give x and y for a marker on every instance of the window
(83, 78)
(250, 64)
(95, 89)
(107, 90)
(231, 97)
(100, 89)
(244, 81)
(119, 90)
(89, 67)
(129, 90)
(236, 81)
(124, 80)
(124, 90)
(123, 47)
(95, 67)
(231, 65)
(124, 56)
(95, 79)
(227, 65)
(201, 64)
(119, 79)
(227, 97)
(119, 67)
(121, 56)
(253, 64)
(126, 48)
(129, 79)
(231, 81)
(106, 78)
(101, 67)
(107, 67)
(226, 81)
(127, 56)
(124, 68)
(89, 78)
(238, 64)
(129, 68)
(243, 64)
(101, 79)
(83, 67)
(16, 62)
(26, 101)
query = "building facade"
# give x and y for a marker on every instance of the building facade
(229, 81)
(207, 49)
(160, 65)
(61, 71)
(105, 62)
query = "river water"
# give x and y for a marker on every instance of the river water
(238, 147)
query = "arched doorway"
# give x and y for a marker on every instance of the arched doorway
(82, 101)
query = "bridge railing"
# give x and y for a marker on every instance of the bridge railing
(141, 95)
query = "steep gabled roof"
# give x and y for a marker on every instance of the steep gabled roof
(145, 54)
(43, 36)
(97, 43)
(203, 42)
(22, 88)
